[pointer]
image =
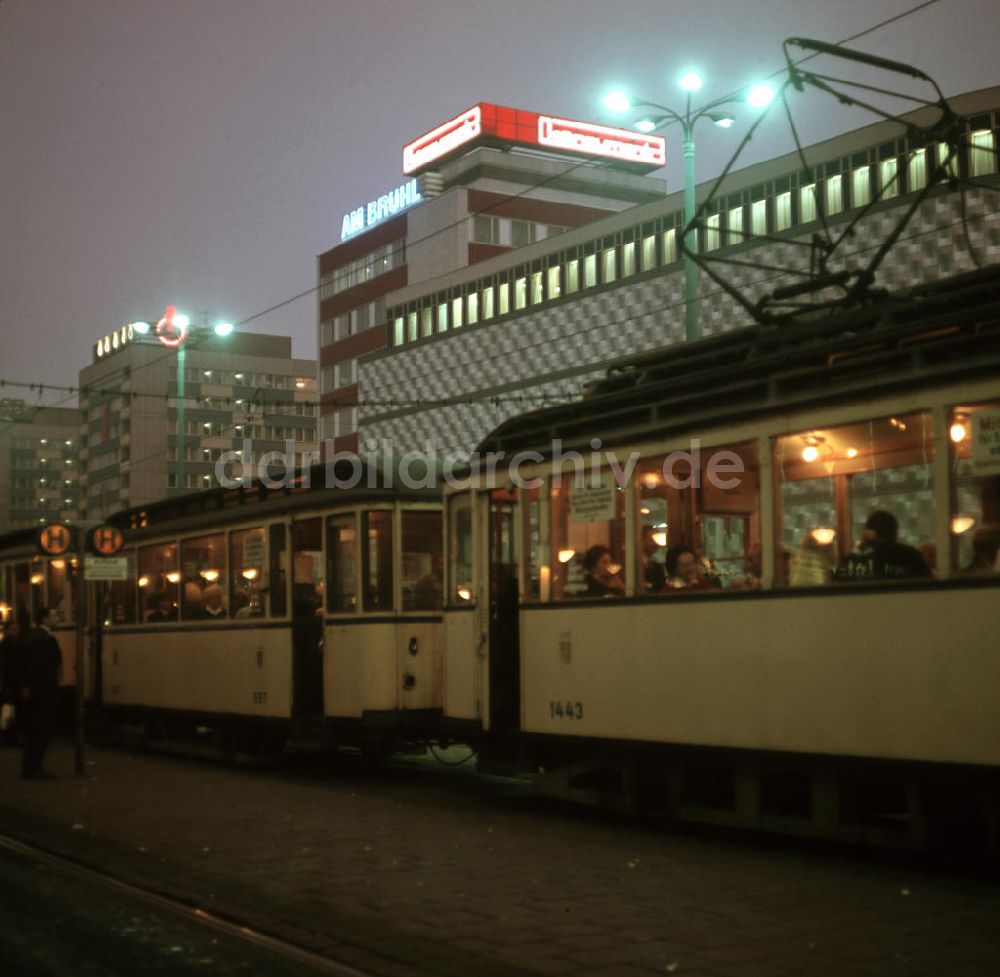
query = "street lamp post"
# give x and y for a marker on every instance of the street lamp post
(691, 82)
(172, 332)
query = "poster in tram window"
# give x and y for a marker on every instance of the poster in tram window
(592, 503)
(986, 442)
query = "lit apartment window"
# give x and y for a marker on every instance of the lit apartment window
(670, 246)
(861, 186)
(736, 225)
(590, 271)
(783, 211)
(520, 292)
(984, 157)
(398, 332)
(555, 289)
(411, 326)
(537, 288)
(609, 260)
(712, 233)
(426, 321)
(888, 178)
(456, 313)
(916, 169)
(628, 259)
(807, 202)
(648, 252)
(572, 276)
(473, 308)
(442, 316)
(504, 298)
(488, 302)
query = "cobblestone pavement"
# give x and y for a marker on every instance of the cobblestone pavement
(404, 873)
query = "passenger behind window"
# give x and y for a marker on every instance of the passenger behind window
(214, 606)
(881, 556)
(163, 609)
(684, 571)
(654, 568)
(749, 577)
(985, 547)
(601, 573)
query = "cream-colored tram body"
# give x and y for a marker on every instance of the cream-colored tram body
(250, 615)
(684, 601)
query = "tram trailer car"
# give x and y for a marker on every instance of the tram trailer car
(785, 684)
(254, 616)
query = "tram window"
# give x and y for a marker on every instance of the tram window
(830, 482)
(307, 568)
(460, 549)
(706, 500)
(974, 436)
(532, 538)
(203, 574)
(584, 515)
(341, 564)
(377, 561)
(159, 579)
(277, 578)
(246, 559)
(123, 594)
(60, 593)
(423, 561)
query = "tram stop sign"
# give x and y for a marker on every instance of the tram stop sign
(55, 539)
(106, 540)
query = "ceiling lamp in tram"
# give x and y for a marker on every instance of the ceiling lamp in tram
(566, 555)
(962, 524)
(824, 535)
(958, 432)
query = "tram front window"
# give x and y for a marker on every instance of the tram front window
(246, 558)
(203, 568)
(423, 561)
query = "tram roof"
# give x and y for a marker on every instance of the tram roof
(934, 334)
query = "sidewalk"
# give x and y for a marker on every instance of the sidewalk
(405, 874)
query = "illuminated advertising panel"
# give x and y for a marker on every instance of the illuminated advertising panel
(377, 210)
(498, 125)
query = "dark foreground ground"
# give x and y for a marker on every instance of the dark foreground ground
(398, 871)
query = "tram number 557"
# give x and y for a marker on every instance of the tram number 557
(565, 710)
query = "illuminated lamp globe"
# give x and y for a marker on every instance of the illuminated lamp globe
(962, 524)
(957, 433)
(465, 593)
(760, 96)
(566, 555)
(824, 535)
(690, 81)
(810, 452)
(618, 101)
(140, 327)
(647, 124)
(223, 328)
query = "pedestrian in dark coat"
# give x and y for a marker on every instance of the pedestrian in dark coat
(41, 663)
(10, 652)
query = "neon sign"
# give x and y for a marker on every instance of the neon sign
(594, 140)
(171, 330)
(498, 125)
(114, 341)
(443, 140)
(375, 211)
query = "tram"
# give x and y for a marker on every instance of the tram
(658, 601)
(253, 615)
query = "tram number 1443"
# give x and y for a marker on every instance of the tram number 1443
(565, 710)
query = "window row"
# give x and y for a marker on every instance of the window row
(363, 269)
(854, 503)
(508, 232)
(352, 322)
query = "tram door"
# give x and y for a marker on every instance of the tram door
(307, 618)
(504, 667)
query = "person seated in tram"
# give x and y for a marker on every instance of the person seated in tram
(684, 571)
(749, 577)
(193, 608)
(163, 609)
(601, 573)
(985, 547)
(214, 608)
(881, 556)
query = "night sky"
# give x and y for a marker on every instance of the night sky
(203, 152)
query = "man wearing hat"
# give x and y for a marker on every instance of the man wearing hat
(882, 556)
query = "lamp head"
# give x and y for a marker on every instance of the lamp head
(722, 119)
(649, 122)
(618, 101)
(760, 95)
(223, 328)
(690, 81)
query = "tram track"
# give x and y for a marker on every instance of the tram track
(190, 914)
